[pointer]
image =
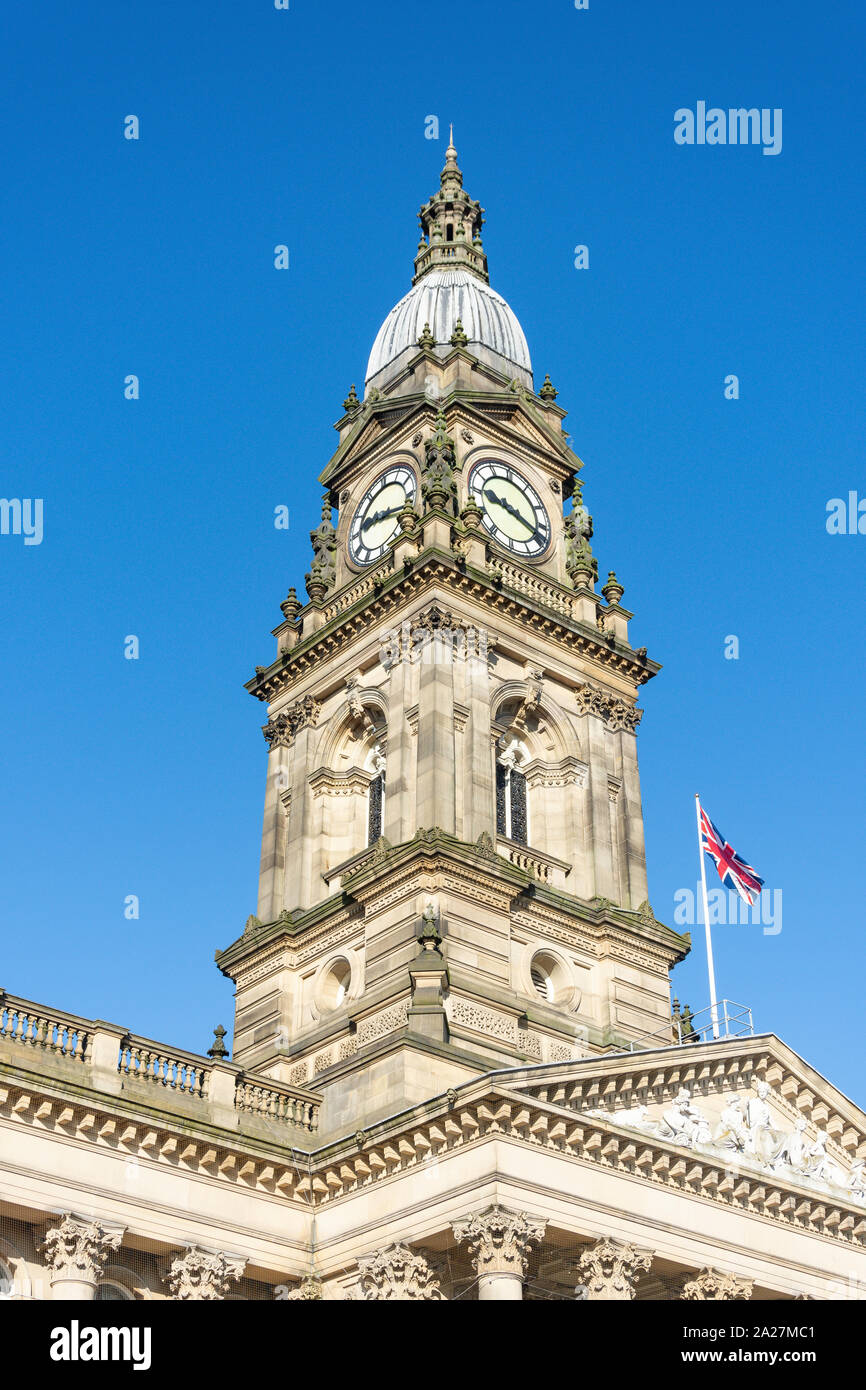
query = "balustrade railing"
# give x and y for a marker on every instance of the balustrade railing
(149, 1067)
(274, 1103)
(145, 1061)
(529, 584)
(47, 1031)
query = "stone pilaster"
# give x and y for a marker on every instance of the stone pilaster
(202, 1275)
(397, 1274)
(716, 1284)
(499, 1243)
(608, 1269)
(76, 1250)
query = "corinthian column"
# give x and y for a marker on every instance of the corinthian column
(609, 1268)
(715, 1284)
(397, 1274)
(76, 1250)
(202, 1274)
(499, 1243)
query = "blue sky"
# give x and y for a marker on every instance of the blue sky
(155, 257)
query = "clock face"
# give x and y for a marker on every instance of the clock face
(512, 510)
(375, 521)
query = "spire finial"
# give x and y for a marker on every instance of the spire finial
(451, 152)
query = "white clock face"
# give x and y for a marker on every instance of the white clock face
(512, 510)
(375, 522)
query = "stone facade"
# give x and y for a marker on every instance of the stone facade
(455, 1073)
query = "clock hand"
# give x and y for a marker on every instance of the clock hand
(380, 516)
(500, 501)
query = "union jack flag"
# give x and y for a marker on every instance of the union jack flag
(733, 871)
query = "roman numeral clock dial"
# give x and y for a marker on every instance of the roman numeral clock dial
(375, 523)
(512, 511)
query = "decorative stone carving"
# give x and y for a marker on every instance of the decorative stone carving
(77, 1249)
(685, 1122)
(747, 1128)
(609, 1269)
(499, 1241)
(438, 485)
(615, 712)
(715, 1284)
(467, 1014)
(397, 1273)
(202, 1275)
(758, 1122)
(323, 570)
(280, 730)
(309, 1290)
(582, 568)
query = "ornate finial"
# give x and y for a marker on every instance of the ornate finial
(580, 563)
(351, 403)
(613, 590)
(252, 922)
(430, 936)
(451, 225)
(219, 1050)
(548, 391)
(458, 337)
(426, 340)
(323, 570)
(291, 606)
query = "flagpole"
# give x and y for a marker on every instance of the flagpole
(714, 1010)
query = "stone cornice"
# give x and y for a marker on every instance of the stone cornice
(522, 1105)
(403, 586)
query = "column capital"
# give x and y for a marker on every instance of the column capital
(202, 1274)
(608, 1269)
(499, 1240)
(77, 1248)
(397, 1272)
(716, 1284)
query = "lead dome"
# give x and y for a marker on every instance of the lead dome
(450, 291)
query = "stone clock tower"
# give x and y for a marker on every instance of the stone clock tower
(453, 876)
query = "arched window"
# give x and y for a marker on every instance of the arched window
(110, 1291)
(7, 1286)
(511, 795)
(376, 803)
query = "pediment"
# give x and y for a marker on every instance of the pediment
(749, 1103)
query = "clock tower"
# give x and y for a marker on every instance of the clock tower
(453, 876)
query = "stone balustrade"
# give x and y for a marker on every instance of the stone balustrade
(532, 586)
(31, 1025)
(112, 1060)
(142, 1060)
(543, 867)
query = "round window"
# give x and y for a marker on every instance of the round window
(549, 978)
(335, 984)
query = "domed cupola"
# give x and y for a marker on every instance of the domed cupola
(450, 296)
